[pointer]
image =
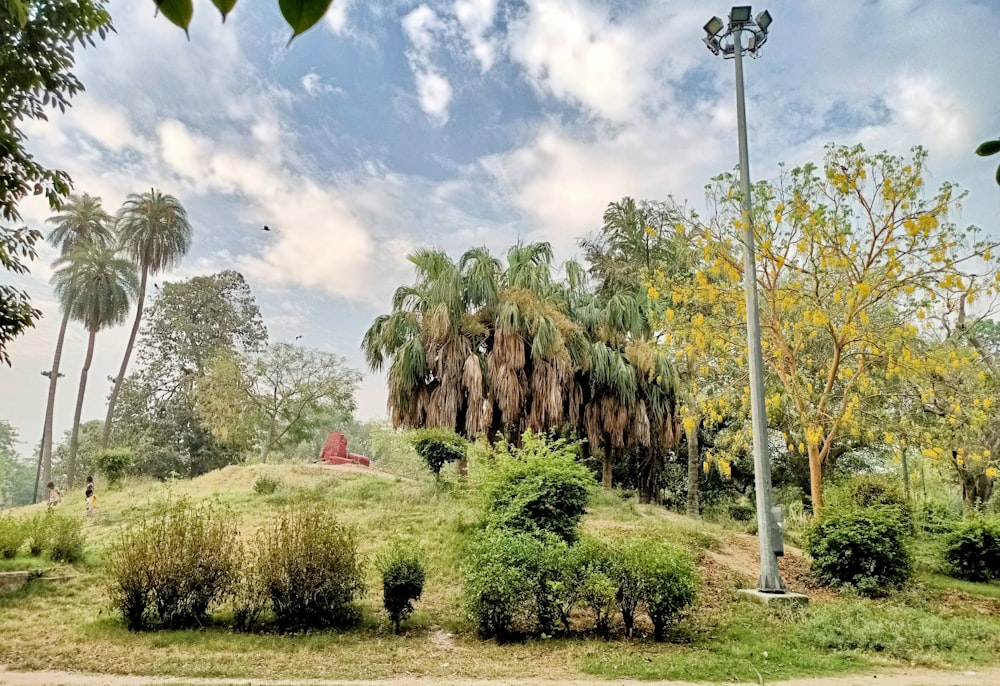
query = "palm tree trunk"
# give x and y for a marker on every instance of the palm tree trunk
(50, 404)
(113, 400)
(694, 467)
(608, 463)
(74, 440)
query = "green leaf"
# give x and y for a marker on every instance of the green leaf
(989, 148)
(301, 15)
(177, 11)
(998, 176)
(18, 11)
(224, 7)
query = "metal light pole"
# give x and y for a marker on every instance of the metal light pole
(730, 45)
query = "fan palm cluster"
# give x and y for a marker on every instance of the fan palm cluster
(494, 348)
(97, 281)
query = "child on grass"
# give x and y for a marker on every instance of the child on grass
(55, 495)
(91, 496)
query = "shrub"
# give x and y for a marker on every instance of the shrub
(871, 491)
(540, 487)
(63, 538)
(511, 582)
(402, 581)
(938, 517)
(114, 463)
(265, 484)
(972, 550)
(866, 549)
(626, 571)
(13, 535)
(591, 560)
(438, 447)
(309, 571)
(37, 530)
(170, 567)
(667, 583)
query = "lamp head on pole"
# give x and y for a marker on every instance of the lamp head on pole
(739, 15)
(713, 26)
(721, 39)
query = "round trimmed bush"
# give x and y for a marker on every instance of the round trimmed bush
(511, 582)
(402, 581)
(866, 549)
(871, 490)
(667, 584)
(972, 550)
(538, 488)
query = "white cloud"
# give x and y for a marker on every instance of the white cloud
(313, 84)
(424, 28)
(434, 93)
(476, 18)
(336, 16)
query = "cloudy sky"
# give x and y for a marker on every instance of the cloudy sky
(454, 123)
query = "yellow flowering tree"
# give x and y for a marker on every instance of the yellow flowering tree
(697, 324)
(852, 257)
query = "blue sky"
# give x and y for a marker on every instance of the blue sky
(399, 124)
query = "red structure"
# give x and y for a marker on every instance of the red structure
(335, 452)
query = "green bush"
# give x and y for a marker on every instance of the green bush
(627, 569)
(868, 491)
(265, 484)
(438, 447)
(37, 530)
(402, 581)
(114, 463)
(511, 582)
(867, 549)
(938, 517)
(972, 550)
(309, 571)
(13, 534)
(667, 583)
(63, 538)
(167, 569)
(589, 568)
(539, 487)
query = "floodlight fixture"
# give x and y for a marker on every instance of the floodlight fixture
(713, 26)
(713, 44)
(764, 20)
(740, 15)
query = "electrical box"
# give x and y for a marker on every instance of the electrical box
(777, 524)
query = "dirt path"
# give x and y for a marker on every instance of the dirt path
(917, 677)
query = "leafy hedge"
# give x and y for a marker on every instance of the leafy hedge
(972, 550)
(867, 549)
(538, 488)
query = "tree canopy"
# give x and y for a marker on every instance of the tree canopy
(36, 59)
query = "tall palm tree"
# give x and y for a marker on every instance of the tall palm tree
(81, 223)
(631, 382)
(153, 230)
(96, 287)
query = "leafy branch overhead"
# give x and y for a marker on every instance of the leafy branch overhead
(990, 148)
(301, 15)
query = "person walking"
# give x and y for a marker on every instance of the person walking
(91, 496)
(55, 495)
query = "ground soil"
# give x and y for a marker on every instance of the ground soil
(917, 677)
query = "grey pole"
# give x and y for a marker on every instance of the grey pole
(770, 580)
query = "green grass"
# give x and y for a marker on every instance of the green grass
(942, 582)
(942, 622)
